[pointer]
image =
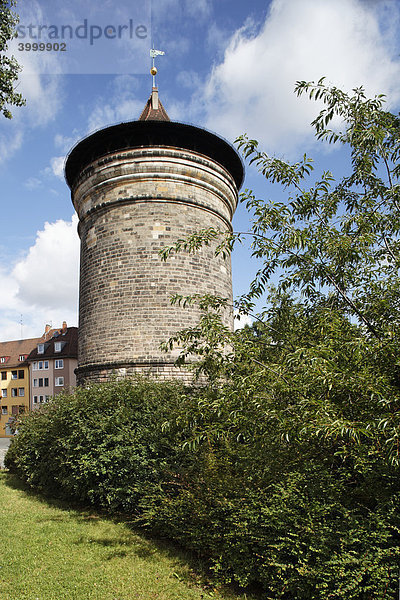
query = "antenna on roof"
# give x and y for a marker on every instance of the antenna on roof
(153, 70)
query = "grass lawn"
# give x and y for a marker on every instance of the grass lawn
(52, 552)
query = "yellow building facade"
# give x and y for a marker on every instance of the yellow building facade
(14, 382)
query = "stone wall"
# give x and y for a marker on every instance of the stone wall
(131, 204)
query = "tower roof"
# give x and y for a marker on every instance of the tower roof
(153, 128)
(154, 110)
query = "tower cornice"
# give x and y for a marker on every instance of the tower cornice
(138, 134)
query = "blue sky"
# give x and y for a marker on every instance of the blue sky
(229, 65)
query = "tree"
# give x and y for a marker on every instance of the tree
(312, 390)
(9, 67)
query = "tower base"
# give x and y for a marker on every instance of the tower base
(101, 373)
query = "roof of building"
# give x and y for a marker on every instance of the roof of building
(68, 336)
(154, 110)
(11, 351)
(154, 128)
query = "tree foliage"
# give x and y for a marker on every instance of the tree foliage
(284, 471)
(9, 67)
(320, 366)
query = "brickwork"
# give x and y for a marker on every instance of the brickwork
(130, 204)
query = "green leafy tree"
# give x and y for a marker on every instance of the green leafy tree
(9, 67)
(312, 390)
(284, 471)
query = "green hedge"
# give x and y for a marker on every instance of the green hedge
(289, 518)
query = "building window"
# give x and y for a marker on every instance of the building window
(3, 359)
(47, 398)
(14, 392)
(4, 375)
(14, 374)
(41, 364)
(4, 410)
(40, 381)
(41, 398)
(35, 383)
(34, 399)
(21, 374)
(59, 381)
(21, 392)
(46, 382)
(40, 348)
(59, 364)
(4, 393)
(57, 346)
(22, 357)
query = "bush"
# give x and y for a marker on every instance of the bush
(291, 517)
(103, 444)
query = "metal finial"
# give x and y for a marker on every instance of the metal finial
(153, 70)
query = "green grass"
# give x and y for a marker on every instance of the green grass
(50, 551)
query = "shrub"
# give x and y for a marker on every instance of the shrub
(206, 469)
(103, 444)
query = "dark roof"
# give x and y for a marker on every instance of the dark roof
(139, 134)
(13, 350)
(69, 348)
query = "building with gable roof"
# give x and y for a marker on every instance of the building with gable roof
(33, 370)
(52, 361)
(14, 380)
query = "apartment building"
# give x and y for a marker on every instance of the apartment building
(52, 364)
(14, 381)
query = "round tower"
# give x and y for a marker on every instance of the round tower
(137, 187)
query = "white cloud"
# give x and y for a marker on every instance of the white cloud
(348, 41)
(241, 321)
(65, 142)
(43, 94)
(188, 79)
(201, 9)
(10, 142)
(42, 286)
(121, 105)
(57, 166)
(32, 183)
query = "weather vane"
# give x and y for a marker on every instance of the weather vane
(153, 70)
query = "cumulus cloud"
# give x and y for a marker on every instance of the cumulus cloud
(43, 94)
(349, 41)
(43, 285)
(57, 166)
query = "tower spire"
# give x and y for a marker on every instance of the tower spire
(153, 70)
(154, 110)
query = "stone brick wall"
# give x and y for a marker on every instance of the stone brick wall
(131, 204)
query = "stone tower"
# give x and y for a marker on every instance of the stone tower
(137, 187)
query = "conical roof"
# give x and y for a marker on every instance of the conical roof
(154, 110)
